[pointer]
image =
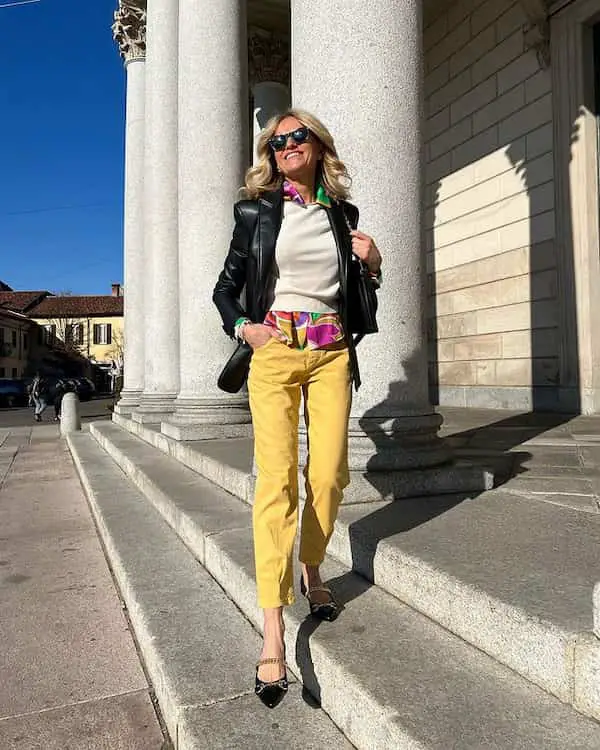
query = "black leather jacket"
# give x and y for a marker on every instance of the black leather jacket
(252, 253)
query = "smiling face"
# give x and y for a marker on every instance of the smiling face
(297, 161)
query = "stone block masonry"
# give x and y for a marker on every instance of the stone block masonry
(493, 303)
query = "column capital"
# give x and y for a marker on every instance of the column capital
(268, 57)
(129, 29)
(536, 32)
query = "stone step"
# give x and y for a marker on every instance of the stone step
(198, 648)
(387, 675)
(228, 463)
(512, 576)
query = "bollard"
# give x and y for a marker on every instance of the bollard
(70, 418)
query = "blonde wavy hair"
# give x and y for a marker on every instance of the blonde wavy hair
(331, 172)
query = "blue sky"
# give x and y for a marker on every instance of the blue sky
(61, 147)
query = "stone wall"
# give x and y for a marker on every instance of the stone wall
(493, 311)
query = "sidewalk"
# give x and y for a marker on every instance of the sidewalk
(70, 675)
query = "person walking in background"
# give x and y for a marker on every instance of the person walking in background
(39, 394)
(291, 251)
(59, 392)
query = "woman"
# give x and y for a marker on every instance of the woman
(290, 251)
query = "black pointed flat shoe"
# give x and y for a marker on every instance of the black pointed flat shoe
(271, 693)
(327, 611)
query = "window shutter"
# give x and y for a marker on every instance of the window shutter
(109, 333)
(96, 333)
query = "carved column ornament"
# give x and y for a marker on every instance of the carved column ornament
(536, 32)
(268, 58)
(129, 29)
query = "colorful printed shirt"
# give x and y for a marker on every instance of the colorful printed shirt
(304, 330)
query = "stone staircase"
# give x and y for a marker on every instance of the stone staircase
(468, 622)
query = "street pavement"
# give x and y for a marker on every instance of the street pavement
(97, 408)
(71, 678)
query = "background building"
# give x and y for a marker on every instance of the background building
(60, 334)
(15, 343)
(90, 325)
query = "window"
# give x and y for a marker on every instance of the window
(1, 336)
(102, 333)
(14, 372)
(49, 334)
(14, 338)
(25, 342)
(74, 334)
(2, 372)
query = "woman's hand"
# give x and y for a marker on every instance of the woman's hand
(365, 248)
(257, 334)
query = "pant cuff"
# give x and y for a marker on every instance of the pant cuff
(274, 603)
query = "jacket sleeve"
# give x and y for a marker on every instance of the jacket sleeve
(232, 279)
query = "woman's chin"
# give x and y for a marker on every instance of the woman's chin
(299, 173)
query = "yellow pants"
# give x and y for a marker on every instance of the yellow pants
(279, 376)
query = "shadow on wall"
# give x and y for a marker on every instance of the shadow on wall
(555, 379)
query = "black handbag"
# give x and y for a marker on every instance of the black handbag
(361, 302)
(234, 374)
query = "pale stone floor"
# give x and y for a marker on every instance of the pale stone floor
(553, 458)
(71, 678)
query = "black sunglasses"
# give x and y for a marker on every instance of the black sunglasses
(299, 136)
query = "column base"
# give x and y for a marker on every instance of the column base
(392, 443)
(450, 478)
(209, 419)
(129, 401)
(402, 456)
(395, 443)
(154, 408)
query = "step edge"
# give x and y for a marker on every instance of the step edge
(544, 639)
(175, 713)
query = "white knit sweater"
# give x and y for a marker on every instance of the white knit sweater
(306, 261)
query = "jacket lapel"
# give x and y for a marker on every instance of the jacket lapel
(341, 235)
(270, 216)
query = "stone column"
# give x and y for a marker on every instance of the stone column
(129, 31)
(269, 61)
(213, 154)
(359, 69)
(161, 292)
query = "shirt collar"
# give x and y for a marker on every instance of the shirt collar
(291, 194)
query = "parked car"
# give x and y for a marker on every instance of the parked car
(13, 392)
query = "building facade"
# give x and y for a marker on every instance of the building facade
(90, 326)
(469, 127)
(15, 344)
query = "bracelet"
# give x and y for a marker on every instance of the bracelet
(377, 277)
(238, 330)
